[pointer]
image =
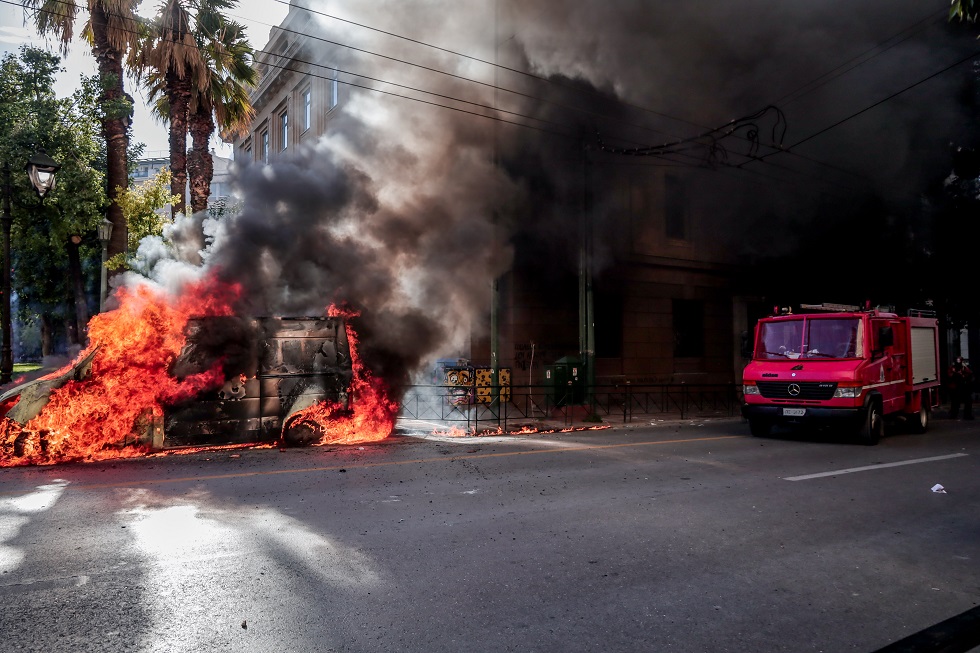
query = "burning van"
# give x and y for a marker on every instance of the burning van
(274, 368)
(264, 378)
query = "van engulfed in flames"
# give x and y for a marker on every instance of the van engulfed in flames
(163, 373)
(272, 368)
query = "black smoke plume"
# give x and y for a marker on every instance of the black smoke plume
(406, 210)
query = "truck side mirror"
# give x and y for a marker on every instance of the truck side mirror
(886, 337)
(746, 342)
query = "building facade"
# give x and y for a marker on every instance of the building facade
(297, 94)
(654, 298)
(221, 186)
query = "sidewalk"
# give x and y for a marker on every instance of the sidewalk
(576, 419)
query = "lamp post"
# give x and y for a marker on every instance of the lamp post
(105, 233)
(40, 169)
(6, 352)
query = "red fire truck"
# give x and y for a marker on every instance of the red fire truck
(840, 364)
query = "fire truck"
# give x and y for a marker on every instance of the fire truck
(844, 365)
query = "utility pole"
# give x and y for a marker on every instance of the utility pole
(586, 301)
(494, 281)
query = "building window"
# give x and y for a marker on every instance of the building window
(307, 109)
(675, 208)
(688, 322)
(283, 130)
(334, 91)
(265, 146)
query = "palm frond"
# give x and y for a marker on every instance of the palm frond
(53, 18)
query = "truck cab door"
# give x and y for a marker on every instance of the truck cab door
(891, 359)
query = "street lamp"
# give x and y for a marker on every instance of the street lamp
(41, 170)
(105, 233)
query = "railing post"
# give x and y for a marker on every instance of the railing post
(627, 406)
(503, 407)
(476, 408)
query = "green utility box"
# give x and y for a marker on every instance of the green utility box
(565, 381)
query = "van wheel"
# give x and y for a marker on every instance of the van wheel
(760, 428)
(873, 427)
(920, 421)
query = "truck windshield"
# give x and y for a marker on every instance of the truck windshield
(810, 338)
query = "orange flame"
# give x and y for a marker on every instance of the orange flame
(453, 432)
(372, 413)
(94, 419)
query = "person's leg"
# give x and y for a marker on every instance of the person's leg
(954, 403)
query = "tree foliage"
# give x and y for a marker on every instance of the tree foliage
(964, 10)
(142, 205)
(33, 118)
(112, 30)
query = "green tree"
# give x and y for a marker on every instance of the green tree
(142, 206)
(51, 241)
(111, 30)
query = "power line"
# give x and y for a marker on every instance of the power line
(830, 75)
(460, 77)
(482, 61)
(487, 84)
(915, 27)
(482, 115)
(478, 82)
(972, 55)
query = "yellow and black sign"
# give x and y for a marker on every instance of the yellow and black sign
(485, 384)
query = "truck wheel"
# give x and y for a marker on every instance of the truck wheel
(920, 421)
(873, 427)
(760, 428)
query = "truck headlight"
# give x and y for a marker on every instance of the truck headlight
(848, 392)
(750, 389)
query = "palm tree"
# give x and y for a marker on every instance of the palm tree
(174, 68)
(207, 79)
(229, 57)
(112, 30)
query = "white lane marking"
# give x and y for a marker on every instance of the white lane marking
(870, 467)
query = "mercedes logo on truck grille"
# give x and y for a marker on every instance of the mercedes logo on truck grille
(793, 389)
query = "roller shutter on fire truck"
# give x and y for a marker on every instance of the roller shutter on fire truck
(924, 367)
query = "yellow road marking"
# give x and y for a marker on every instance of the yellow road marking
(390, 463)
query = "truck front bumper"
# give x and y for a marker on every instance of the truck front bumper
(813, 414)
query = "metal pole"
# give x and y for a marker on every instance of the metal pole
(586, 299)
(6, 351)
(494, 218)
(105, 284)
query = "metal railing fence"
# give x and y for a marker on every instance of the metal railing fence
(505, 407)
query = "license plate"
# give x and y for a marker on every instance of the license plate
(794, 412)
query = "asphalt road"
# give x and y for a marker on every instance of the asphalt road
(689, 536)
